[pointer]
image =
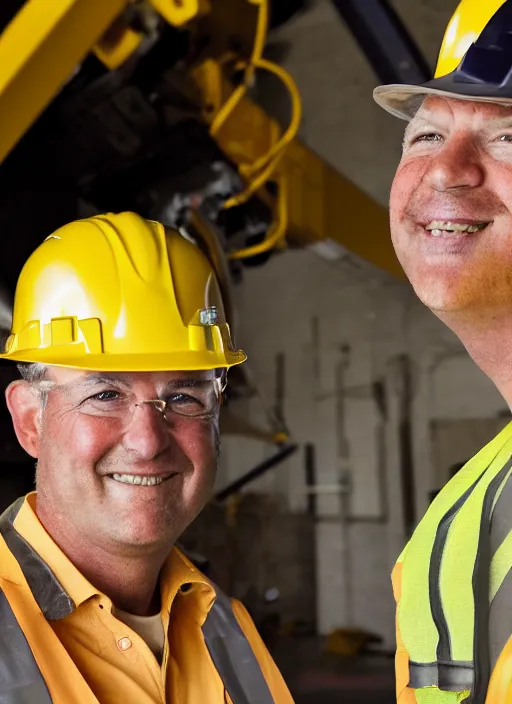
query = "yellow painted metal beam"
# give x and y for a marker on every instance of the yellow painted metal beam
(39, 50)
(321, 203)
(179, 12)
(324, 204)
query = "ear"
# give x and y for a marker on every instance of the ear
(25, 408)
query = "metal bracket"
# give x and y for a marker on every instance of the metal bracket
(179, 12)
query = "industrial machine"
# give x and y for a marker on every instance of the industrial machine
(149, 105)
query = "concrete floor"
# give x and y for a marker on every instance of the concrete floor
(314, 676)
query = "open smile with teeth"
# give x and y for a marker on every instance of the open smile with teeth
(445, 228)
(140, 480)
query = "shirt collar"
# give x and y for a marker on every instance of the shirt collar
(28, 525)
(178, 575)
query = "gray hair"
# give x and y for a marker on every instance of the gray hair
(32, 371)
(35, 373)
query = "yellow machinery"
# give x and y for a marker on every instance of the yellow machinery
(151, 78)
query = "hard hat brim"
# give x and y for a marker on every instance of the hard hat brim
(403, 101)
(171, 362)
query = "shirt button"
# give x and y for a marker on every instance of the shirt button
(124, 643)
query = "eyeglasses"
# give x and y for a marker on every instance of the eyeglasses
(191, 398)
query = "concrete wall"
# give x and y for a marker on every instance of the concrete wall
(380, 320)
(357, 306)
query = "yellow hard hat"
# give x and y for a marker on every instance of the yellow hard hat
(475, 61)
(120, 293)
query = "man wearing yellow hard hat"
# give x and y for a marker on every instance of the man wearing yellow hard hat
(451, 224)
(120, 337)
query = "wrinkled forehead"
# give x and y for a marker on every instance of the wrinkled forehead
(446, 110)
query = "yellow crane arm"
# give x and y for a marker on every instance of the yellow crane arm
(39, 51)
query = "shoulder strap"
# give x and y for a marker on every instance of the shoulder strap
(233, 656)
(21, 681)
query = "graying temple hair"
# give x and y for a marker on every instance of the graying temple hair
(32, 371)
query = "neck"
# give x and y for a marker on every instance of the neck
(130, 581)
(488, 339)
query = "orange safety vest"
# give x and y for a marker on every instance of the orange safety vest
(36, 669)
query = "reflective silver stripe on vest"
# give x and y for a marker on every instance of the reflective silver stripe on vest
(500, 617)
(481, 587)
(233, 656)
(445, 673)
(500, 620)
(229, 649)
(451, 676)
(21, 681)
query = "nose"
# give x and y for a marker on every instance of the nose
(147, 433)
(456, 166)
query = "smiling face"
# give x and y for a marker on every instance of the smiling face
(451, 206)
(123, 472)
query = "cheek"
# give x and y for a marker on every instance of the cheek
(401, 190)
(410, 176)
(500, 186)
(199, 441)
(84, 438)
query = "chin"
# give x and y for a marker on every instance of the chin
(155, 542)
(443, 293)
(148, 540)
(439, 303)
(146, 533)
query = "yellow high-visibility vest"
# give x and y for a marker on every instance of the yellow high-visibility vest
(453, 585)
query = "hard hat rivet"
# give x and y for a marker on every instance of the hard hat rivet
(208, 316)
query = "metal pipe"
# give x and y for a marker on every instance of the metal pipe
(256, 472)
(382, 36)
(310, 469)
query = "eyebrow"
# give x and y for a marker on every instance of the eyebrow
(502, 122)
(92, 379)
(429, 122)
(417, 123)
(187, 383)
(184, 383)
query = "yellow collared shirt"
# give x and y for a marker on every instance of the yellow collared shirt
(116, 663)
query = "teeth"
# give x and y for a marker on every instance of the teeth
(437, 227)
(137, 479)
